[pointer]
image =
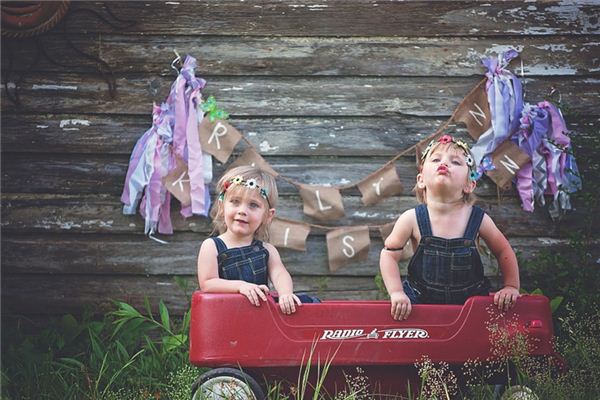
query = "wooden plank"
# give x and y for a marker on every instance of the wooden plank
(341, 18)
(295, 136)
(59, 174)
(109, 255)
(36, 294)
(287, 96)
(102, 214)
(300, 56)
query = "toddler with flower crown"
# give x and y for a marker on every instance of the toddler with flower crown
(446, 267)
(238, 261)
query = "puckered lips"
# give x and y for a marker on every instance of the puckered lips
(442, 170)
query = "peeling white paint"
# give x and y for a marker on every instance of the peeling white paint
(11, 85)
(66, 122)
(53, 87)
(131, 225)
(173, 3)
(42, 126)
(364, 214)
(344, 181)
(551, 241)
(252, 133)
(234, 88)
(313, 146)
(266, 146)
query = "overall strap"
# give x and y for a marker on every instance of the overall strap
(423, 220)
(221, 246)
(474, 223)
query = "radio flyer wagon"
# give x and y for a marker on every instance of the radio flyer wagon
(248, 346)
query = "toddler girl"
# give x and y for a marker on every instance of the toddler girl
(446, 267)
(238, 261)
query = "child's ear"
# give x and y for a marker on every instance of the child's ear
(270, 215)
(420, 183)
(470, 186)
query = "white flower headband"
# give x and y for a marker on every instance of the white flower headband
(475, 174)
(248, 183)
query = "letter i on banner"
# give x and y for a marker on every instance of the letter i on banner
(288, 234)
(218, 138)
(346, 245)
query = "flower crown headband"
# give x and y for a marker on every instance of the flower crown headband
(476, 172)
(248, 183)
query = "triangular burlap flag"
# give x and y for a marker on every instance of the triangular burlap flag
(347, 245)
(474, 112)
(178, 182)
(383, 183)
(322, 202)
(218, 138)
(251, 157)
(288, 234)
(508, 159)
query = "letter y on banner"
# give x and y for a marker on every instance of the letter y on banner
(381, 184)
(347, 245)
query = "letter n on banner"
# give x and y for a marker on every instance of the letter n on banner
(251, 157)
(383, 183)
(508, 159)
(218, 138)
(346, 245)
(288, 234)
(322, 202)
(474, 112)
(178, 182)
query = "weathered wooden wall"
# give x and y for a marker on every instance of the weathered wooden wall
(328, 91)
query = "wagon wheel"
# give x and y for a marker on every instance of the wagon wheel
(226, 383)
(519, 393)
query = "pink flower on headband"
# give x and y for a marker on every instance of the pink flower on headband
(445, 139)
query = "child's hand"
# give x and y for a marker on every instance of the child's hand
(506, 297)
(401, 306)
(254, 293)
(287, 303)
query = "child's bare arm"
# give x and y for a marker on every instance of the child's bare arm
(388, 264)
(507, 261)
(282, 281)
(209, 281)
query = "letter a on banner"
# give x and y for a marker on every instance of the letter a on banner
(346, 245)
(474, 112)
(218, 138)
(383, 183)
(322, 202)
(288, 234)
(508, 160)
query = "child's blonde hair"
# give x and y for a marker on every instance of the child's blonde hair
(421, 193)
(268, 192)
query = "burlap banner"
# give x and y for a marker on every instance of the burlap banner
(474, 112)
(251, 157)
(288, 234)
(508, 160)
(322, 202)
(178, 182)
(218, 138)
(383, 183)
(347, 245)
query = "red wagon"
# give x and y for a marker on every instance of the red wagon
(248, 346)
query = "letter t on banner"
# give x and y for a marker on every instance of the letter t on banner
(347, 245)
(218, 139)
(288, 234)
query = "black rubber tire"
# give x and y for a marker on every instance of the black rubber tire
(226, 383)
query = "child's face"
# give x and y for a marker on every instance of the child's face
(244, 210)
(446, 169)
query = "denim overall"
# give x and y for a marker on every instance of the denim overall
(446, 271)
(248, 263)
